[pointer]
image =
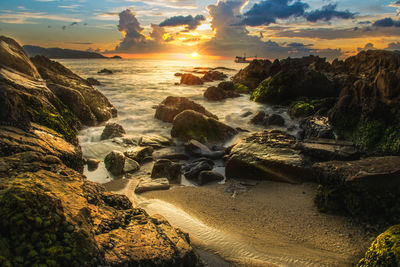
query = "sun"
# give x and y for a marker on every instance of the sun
(195, 55)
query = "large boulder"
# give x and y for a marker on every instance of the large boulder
(190, 124)
(367, 188)
(268, 155)
(234, 87)
(172, 106)
(267, 119)
(112, 130)
(217, 94)
(368, 109)
(139, 153)
(87, 103)
(25, 98)
(165, 168)
(115, 162)
(384, 251)
(190, 79)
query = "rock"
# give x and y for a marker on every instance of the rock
(140, 153)
(105, 71)
(368, 188)
(246, 114)
(321, 149)
(254, 73)
(190, 79)
(274, 120)
(206, 177)
(384, 250)
(190, 124)
(306, 108)
(112, 130)
(216, 94)
(178, 74)
(268, 155)
(197, 149)
(151, 185)
(317, 127)
(267, 120)
(233, 87)
(155, 141)
(92, 164)
(165, 168)
(131, 165)
(93, 81)
(195, 168)
(115, 162)
(172, 106)
(213, 75)
(85, 101)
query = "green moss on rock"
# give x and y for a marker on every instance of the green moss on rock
(301, 109)
(385, 250)
(240, 88)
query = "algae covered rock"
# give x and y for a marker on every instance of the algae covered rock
(115, 162)
(190, 124)
(172, 106)
(385, 250)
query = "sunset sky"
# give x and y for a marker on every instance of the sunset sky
(268, 28)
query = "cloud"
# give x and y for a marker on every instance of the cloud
(70, 6)
(189, 21)
(393, 46)
(327, 13)
(397, 5)
(80, 43)
(135, 41)
(386, 22)
(26, 17)
(232, 38)
(268, 11)
(368, 46)
(74, 23)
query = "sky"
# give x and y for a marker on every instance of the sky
(212, 28)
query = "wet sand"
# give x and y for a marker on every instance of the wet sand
(277, 220)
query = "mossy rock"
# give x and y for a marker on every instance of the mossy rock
(301, 109)
(236, 87)
(385, 250)
(240, 88)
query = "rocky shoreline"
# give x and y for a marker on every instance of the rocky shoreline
(348, 145)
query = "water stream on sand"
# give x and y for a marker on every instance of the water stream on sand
(135, 88)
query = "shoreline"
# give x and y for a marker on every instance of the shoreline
(272, 221)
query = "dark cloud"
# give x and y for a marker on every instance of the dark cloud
(368, 46)
(327, 13)
(364, 22)
(232, 38)
(386, 22)
(81, 43)
(190, 22)
(268, 11)
(74, 23)
(393, 46)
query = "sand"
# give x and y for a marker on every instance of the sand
(275, 220)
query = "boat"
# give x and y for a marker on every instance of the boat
(244, 59)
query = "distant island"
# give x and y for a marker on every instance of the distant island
(59, 53)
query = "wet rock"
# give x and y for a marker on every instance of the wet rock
(206, 177)
(139, 153)
(75, 92)
(92, 164)
(213, 75)
(321, 149)
(254, 73)
(233, 87)
(155, 141)
(172, 106)
(270, 155)
(246, 114)
(307, 107)
(146, 185)
(267, 119)
(112, 130)
(105, 71)
(93, 81)
(317, 127)
(197, 149)
(165, 168)
(190, 79)
(194, 169)
(368, 188)
(174, 156)
(193, 125)
(216, 94)
(131, 165)
(115, 162)
(178, 74)
(383, 251)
